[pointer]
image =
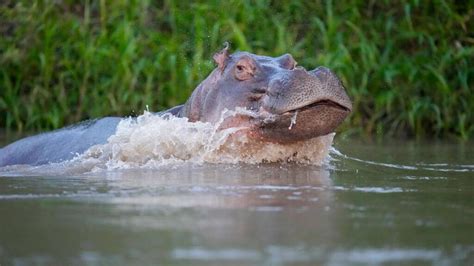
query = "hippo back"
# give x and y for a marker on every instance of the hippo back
(59, 145)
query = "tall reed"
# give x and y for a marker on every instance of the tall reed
(407, 65)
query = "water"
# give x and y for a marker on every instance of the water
(388, 203)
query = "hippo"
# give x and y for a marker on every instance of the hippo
(284, 103)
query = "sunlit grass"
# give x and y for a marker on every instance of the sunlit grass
(407, 66)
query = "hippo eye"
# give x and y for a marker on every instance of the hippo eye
(243, 72)
(245, 68)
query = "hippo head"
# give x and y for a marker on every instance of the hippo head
(283, 103)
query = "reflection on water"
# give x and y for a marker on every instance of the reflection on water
(396, 204)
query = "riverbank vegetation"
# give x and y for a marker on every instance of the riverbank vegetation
(407, 65)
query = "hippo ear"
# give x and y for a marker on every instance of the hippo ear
(221, 58)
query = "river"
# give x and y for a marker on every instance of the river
(371, 203)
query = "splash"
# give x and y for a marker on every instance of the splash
(151, 141)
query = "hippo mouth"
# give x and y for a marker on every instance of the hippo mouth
(317, 104)
(316, 119)
(326, 112)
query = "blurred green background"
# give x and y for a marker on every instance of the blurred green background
(407, 65)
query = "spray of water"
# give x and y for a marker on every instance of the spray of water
(152, 141)
(293, 120)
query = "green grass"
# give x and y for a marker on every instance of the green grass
(407, 65)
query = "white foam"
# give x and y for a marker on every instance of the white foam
(151, 141)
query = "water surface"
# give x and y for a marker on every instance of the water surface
(389, 203)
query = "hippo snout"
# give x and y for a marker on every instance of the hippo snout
(334, 89)
(299, 88)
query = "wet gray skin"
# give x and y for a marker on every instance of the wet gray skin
(288, 104)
